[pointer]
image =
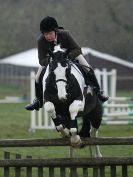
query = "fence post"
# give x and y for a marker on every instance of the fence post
(29, 169)
(113, 83)
(32, 96)
(98, 76)
(40, 171)
(18, 169)
(6, 169)
(105, 81)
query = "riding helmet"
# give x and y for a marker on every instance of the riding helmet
(48, 24)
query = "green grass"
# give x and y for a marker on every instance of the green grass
(15, 123)
(124, 93)
(9, 90)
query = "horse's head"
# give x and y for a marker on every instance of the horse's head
(59, 68)
(59, 54)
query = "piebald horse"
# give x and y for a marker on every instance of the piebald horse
(65, 100)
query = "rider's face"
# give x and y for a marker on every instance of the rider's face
(50, 36)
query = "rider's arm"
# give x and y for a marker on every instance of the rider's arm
(43, 55)
(75, 51)
(74, 48)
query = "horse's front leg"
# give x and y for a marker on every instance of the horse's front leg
(50, 108)
(74, 108)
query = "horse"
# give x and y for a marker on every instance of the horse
(65, 99)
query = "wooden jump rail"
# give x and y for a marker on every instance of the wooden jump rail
(64, 142)
(67, 162)
(68, 167)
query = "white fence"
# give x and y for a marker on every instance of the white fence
(118, 110)
(40, 119)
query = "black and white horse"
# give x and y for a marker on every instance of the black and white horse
(65, 100)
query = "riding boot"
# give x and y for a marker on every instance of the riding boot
(92, 78)
(38, 102)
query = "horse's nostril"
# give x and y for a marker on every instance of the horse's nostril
(64, 100)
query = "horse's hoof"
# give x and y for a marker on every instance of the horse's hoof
(76, 141)
(65, 133)
(76, 145)
(82, 145)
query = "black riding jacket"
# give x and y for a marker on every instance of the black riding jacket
(64, 39)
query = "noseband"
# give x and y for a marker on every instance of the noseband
(61, 80)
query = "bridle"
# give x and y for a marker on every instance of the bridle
(61, 80)
(69, 66)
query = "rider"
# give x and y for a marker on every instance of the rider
(51, 35)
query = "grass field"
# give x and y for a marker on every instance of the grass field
(15, 123)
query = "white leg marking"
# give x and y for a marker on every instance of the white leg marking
(75, 139)
(74, 108)
(65, 132)
(50, 108)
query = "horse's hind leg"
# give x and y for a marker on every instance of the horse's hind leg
(95, 119)
(85, 130)
(94, 133)
(88, 131)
